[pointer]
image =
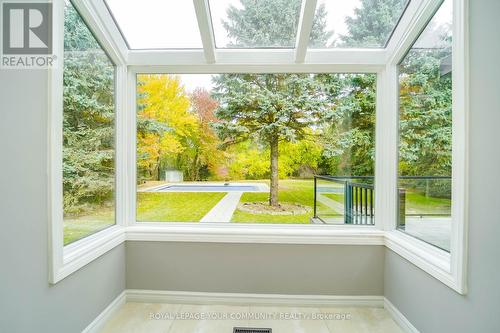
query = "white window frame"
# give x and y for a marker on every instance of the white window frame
(449, 268)
(241, 233)
(65, 260)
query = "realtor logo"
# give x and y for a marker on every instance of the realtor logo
(27, 35)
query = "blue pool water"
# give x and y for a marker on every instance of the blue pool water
(207, 188)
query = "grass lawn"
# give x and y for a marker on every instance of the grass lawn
(175, 206)
(418, 203)
(77, 227)
(335, 196)
(291, 191)
(192, 206)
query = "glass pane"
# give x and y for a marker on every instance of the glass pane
(88, 132)
(244, 148)
(425, 125)
(355, 23)
(346, 200)
(255, 23)
(157, 24)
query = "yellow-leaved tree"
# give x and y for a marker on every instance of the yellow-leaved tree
(165, 125)
(173, 129)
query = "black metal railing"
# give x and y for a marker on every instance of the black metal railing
(358, 203)
(350, 200)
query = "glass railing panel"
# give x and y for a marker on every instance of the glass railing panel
(329, 195)
(424, 209)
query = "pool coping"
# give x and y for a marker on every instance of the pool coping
(261, 187)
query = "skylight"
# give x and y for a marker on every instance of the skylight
(355, 23)
(249, 24)
(157, 24)
(255, 24)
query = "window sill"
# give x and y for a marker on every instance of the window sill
(255, 233)
(430, 259)
(80, 253)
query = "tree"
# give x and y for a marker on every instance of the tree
(426, 116)
(88, 118)
(258, 23)
(372, 23)
(248, 160)
(268, 107)
(173, 129)
(207, 156)
(348, 129)
(166, 126)
(301, 157)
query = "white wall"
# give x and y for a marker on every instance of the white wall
(256, 268)
(428, 304)
(27, 302)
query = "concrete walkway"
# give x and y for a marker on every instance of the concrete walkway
(223, 211)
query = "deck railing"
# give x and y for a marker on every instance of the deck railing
(358, 203)
(425, 184)
(350, 200)
(346, 200)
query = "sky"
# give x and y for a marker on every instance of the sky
(193, 81)
(441, 21)
(157, 23)
(337, 12)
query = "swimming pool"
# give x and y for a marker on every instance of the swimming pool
(207, 188)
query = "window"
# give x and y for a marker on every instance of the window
(244, 148)
(157, 24)
(88, 132)
(425, 133)
(355, 23)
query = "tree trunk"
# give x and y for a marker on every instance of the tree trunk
(273, 195)
(157, 169)
(196, 168)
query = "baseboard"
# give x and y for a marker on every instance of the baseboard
(98, 323)
(399, 318)
(157, 296)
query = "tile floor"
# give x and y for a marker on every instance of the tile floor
(180, 318)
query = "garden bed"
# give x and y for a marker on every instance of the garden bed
(281, 209)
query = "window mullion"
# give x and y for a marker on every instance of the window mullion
(121, 144)
(305, 26)
(386, 157)
(206, 29)
(131, 139)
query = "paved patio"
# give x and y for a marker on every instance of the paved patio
(434, 230)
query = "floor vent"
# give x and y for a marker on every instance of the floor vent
(252, 330)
